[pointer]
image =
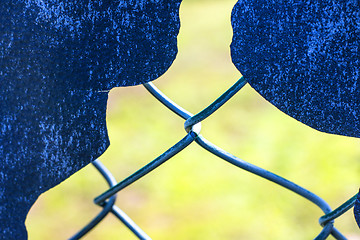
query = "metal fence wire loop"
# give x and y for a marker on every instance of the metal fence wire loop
(192, 126)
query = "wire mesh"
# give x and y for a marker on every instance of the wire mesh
(192, 126)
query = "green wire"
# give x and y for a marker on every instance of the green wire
(338, 211)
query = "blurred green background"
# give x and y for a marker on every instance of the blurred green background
(196, 195)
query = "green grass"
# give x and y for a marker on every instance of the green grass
(196, 195)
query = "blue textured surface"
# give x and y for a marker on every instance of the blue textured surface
(58, 60)
(303, 57)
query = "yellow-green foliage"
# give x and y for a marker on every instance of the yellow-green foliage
(196, 195)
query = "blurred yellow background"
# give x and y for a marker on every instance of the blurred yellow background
(196, 195)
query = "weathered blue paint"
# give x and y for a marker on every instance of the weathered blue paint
(58, 60)
(303, 57)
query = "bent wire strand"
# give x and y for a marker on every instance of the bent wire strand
(206, 112)
(178, 147)
(338, 211)
(327, 229)
(129, 223)
(108, 207)
(276, 179)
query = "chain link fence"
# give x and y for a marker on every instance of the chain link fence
(192, 126)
